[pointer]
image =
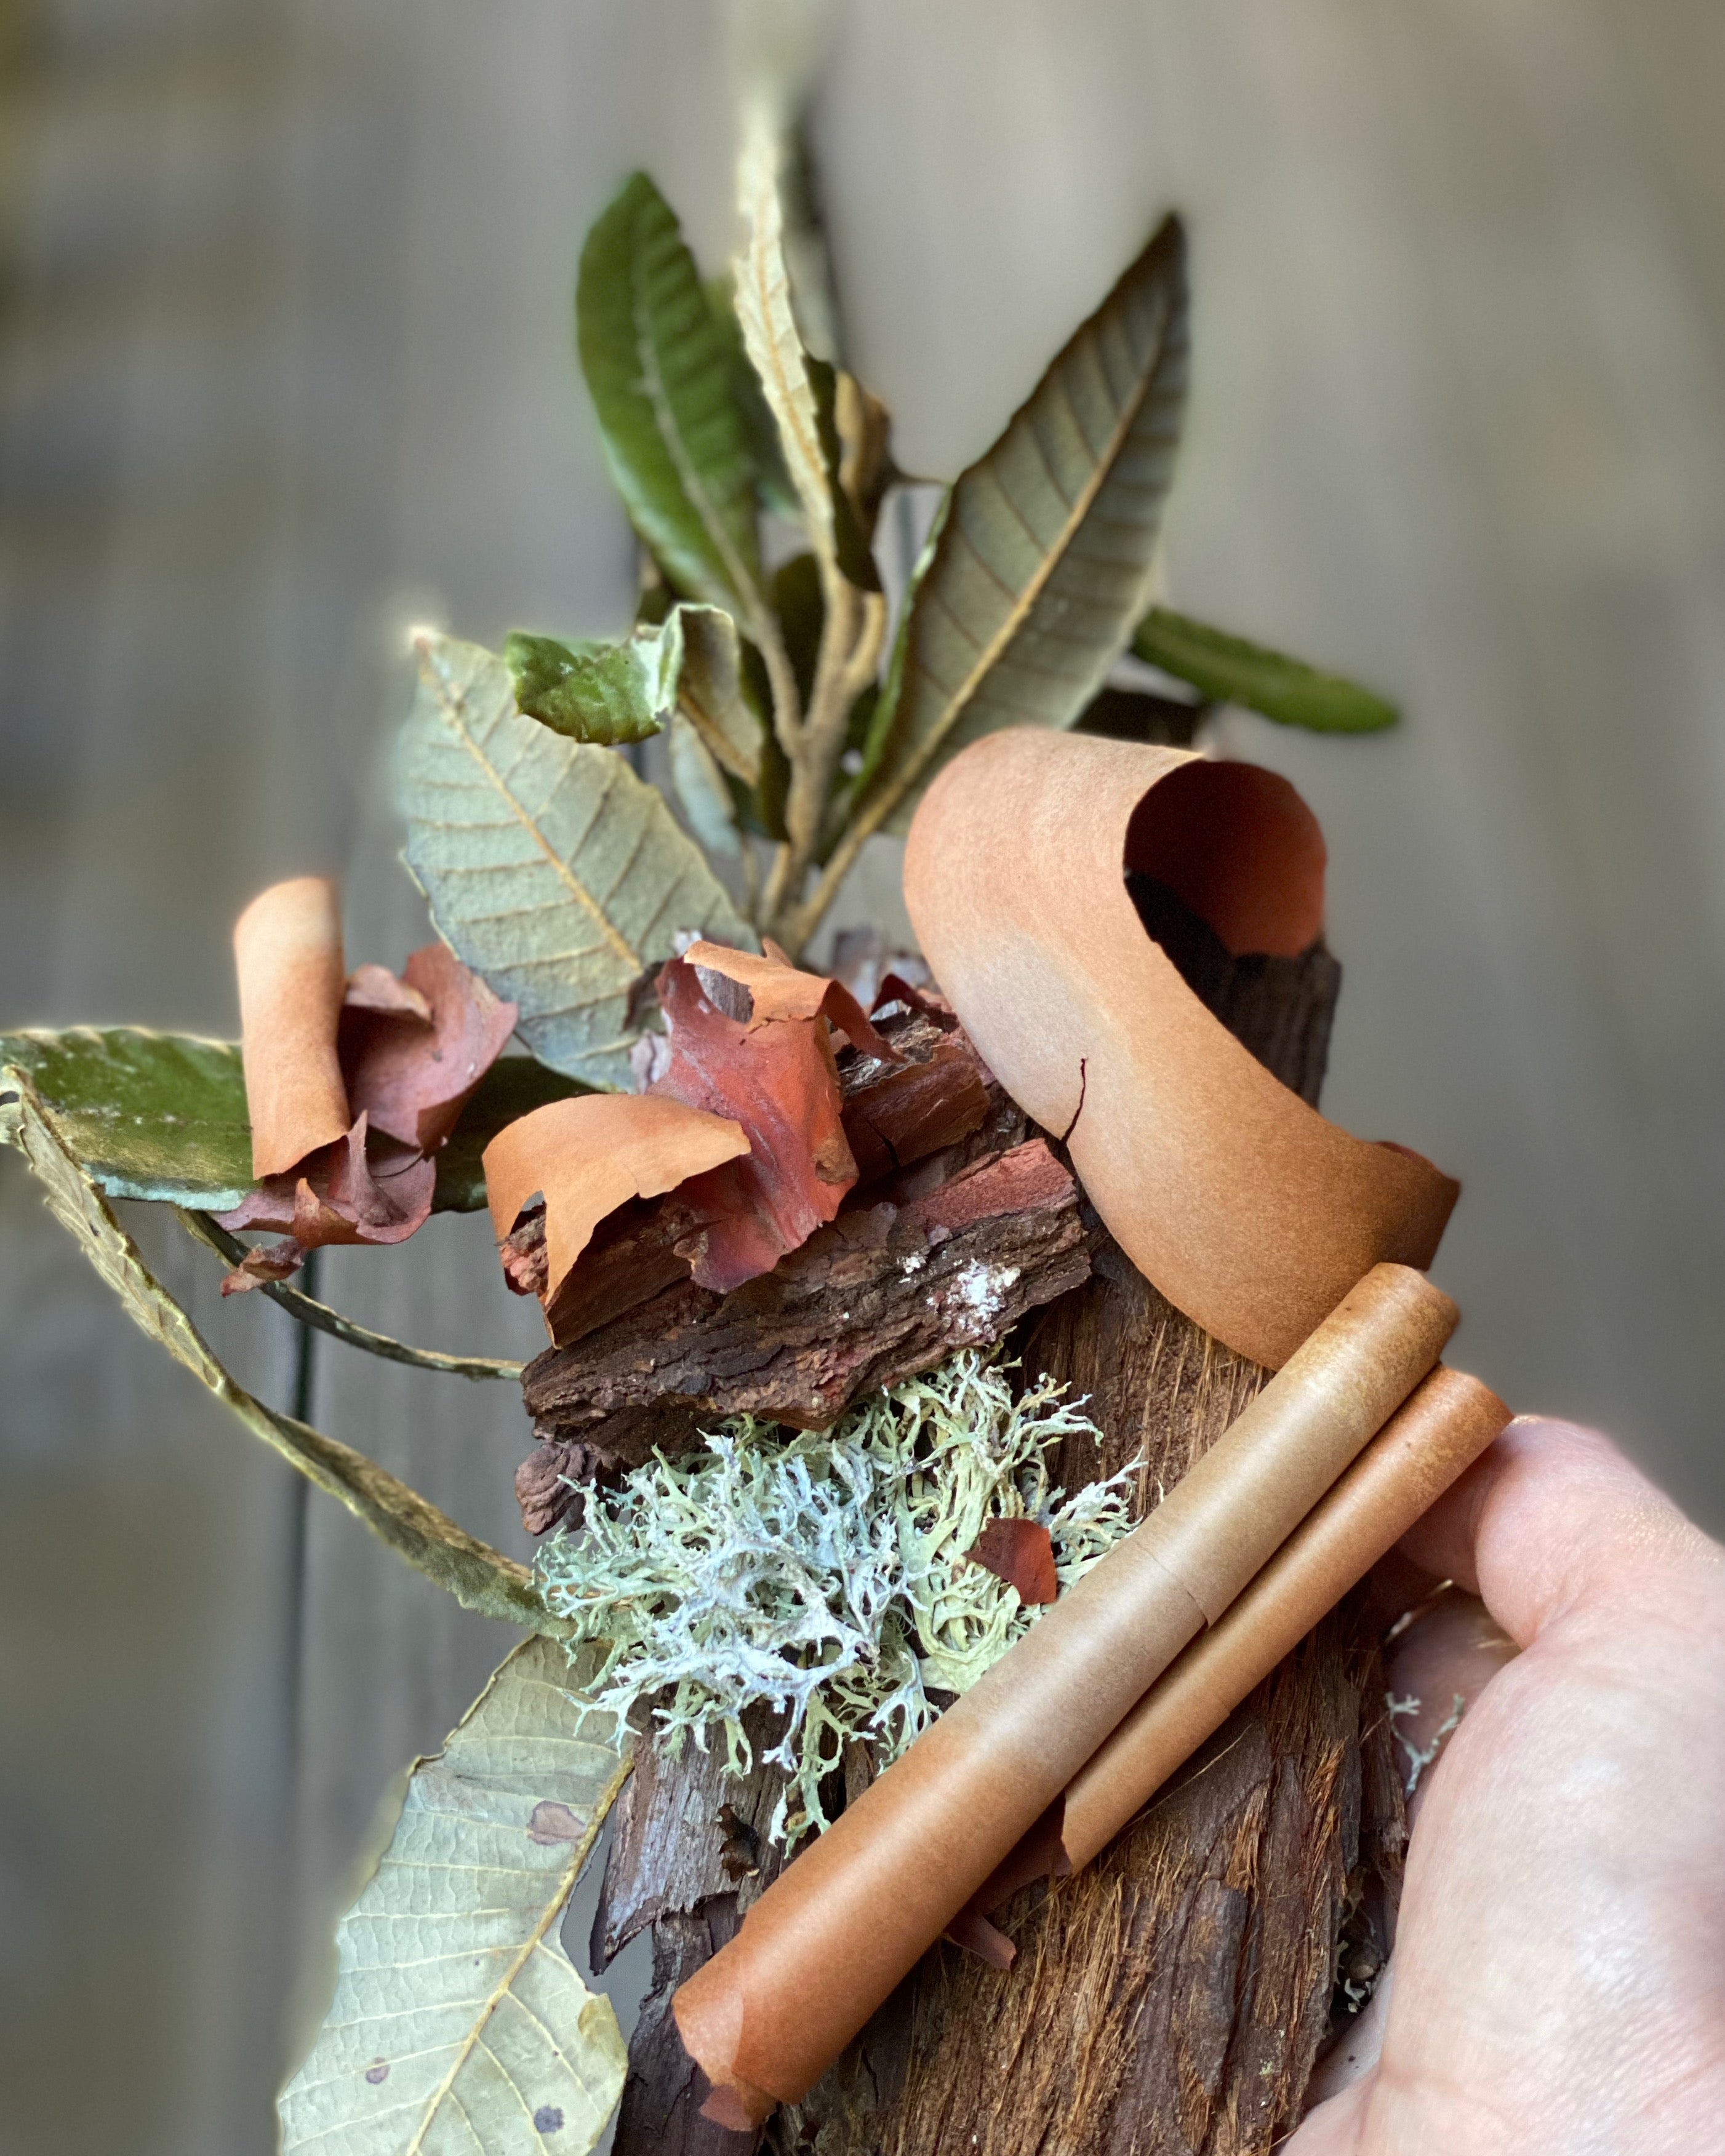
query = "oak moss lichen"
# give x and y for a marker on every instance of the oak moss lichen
(825, 1572)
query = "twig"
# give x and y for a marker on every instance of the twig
(319, 1315)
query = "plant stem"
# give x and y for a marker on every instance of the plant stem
(852, 632)
(319, 1315)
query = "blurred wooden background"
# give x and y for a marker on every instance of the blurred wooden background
(284, 364)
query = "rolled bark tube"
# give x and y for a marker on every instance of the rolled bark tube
(287, 950)
(844, 1923)
(1435, 1437)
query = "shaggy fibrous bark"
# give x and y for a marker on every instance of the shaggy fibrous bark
(961, 1224)
(1170, 2000)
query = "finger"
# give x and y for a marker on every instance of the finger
(1333, 2128)
(1554, 1518)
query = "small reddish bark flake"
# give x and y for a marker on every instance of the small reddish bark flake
(1021, 1552)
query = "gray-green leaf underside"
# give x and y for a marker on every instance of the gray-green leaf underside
(1228, 670)
(162, 1116)
(661, 373)
(460, 2027)
(1040, 566)
(552, 870)
(478, 1576)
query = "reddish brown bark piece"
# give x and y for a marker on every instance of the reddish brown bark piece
(886, 1291)
(942, 1117)
(1021, 1552)
(915, 1110)
(774, 1074)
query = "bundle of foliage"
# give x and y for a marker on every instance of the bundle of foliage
(795, 720)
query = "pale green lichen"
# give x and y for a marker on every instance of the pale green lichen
(825, 1572)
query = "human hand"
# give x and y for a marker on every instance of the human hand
(1558, 1978)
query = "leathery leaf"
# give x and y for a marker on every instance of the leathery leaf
(552, 870)
(1228, 670)
(149, 1114)
(1040, 566)
(662, 372)
(458, 2023)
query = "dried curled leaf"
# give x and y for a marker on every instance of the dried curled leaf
(1021, 1552)
(459, 2021)
(802, 392)
(349, 1192)
(711, 690)
(401, 1058)
(412, 1075)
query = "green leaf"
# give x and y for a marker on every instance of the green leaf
(660, 375)
(149, 1114)
(552, 870)
(609, 694)
(162, 1116)
(1040, 562)
(478, 1576)
(458, 2023)
(1229, 670)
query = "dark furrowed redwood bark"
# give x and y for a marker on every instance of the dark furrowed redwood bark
(885, 1292)
(1170, 1999)
(688, 1853)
